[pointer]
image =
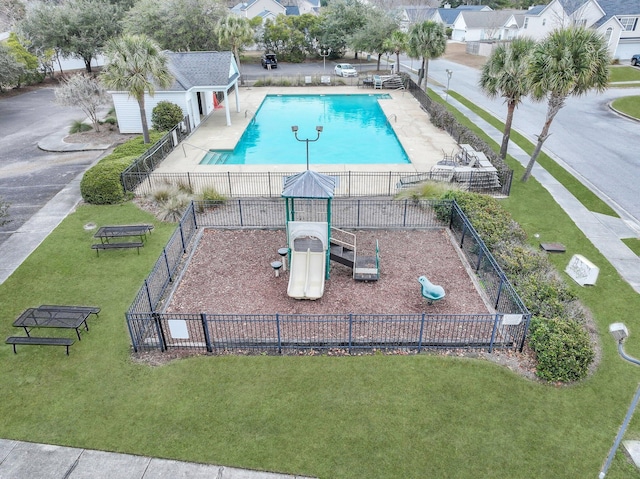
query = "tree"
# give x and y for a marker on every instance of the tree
(234, 33)
(45, 26)
(426, 40)
(505, 75)
(177, 25)
(136, 65)
(396, 43)
(10, 69)
(378, 27)
(91, 24)
(85, 92)
(29, 62)
(284, 37)
(569, 62)
(340, 20)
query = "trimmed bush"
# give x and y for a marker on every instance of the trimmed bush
(166, 115)
(563, 349)
(101, 184)
(136, 146)
(77, 126)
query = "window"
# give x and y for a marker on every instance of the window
(526, 22)
(607, 35)
(544, 22)
(628, 23)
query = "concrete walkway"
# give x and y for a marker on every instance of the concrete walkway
(25, 460)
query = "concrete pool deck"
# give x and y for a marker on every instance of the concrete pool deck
(424, 144)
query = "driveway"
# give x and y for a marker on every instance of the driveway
(30, 177)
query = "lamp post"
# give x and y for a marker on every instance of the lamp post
(449, 73)
(324, 52)
(619, 332)
(294, 129)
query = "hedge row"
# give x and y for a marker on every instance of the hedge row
(557, 333)
(101, 183)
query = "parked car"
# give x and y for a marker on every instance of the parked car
(269, 60)
(345, 70)
(635, 60)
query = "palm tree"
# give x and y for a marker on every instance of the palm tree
(569, 61)
(505, 74)
(426, 40)
(234, 32)
(136, 65)
(396, 43)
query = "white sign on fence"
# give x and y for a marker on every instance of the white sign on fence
(178, 329)
(582, 270)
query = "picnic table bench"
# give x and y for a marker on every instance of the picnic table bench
(14, 340)
(42, 318)
(107, 234)
(83, 309)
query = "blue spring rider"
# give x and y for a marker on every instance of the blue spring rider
(431, 292)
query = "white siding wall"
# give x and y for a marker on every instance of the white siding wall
(129, 115)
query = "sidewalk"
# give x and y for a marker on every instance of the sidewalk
(25, 460)
(605, 232)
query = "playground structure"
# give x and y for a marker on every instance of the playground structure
(309, 237)
(431, 292)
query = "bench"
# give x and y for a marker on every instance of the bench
(125, 244)
(71, 309)
(13, 340)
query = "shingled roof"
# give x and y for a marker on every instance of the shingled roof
(309, 184)
(201, 69)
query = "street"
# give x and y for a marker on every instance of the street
(587, 137)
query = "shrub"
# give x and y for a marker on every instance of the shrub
(211, 195)
(173, 208)
(166, 115)
(136, 146)
(563, 349)
(101, 184)
(428, 189)
(78, 127)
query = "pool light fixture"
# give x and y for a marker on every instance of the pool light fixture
(319, 129)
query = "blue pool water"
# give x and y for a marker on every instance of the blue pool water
(356, 131)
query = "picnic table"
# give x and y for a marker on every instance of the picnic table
(52, 318)
(105, 233)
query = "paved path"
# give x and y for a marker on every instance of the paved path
(26, 460)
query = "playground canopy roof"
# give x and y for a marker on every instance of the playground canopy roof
(309, 184)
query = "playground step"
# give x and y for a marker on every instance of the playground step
(341, 255)
(366, 269)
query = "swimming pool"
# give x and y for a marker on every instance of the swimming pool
(356, 131)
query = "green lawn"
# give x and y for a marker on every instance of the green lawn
(624, 74)
(629, 105)
(333, 417)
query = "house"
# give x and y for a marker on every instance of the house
(625, 16)
(198, 78)
(616, 20)
(410, 15)
(475, 26)
(266, 9)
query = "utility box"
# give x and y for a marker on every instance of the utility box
(618, 331)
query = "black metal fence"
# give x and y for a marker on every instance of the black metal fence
(150, 159)
(151, 329)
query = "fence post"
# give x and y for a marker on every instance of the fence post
(146, 288)
(229, 182)
(404, 214)
(278, 330)
(193, 213)
(205, 328)
(269, 181)
(166, 262)
(184, 246)
(240, 211)
(499, 292)
(350, 330)
(349, 183)
(479, 259)
(421, 332)
(493, 333)
(524, 332)
(389, 190)
(159, 331)
(358, 214)
(134, 343)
